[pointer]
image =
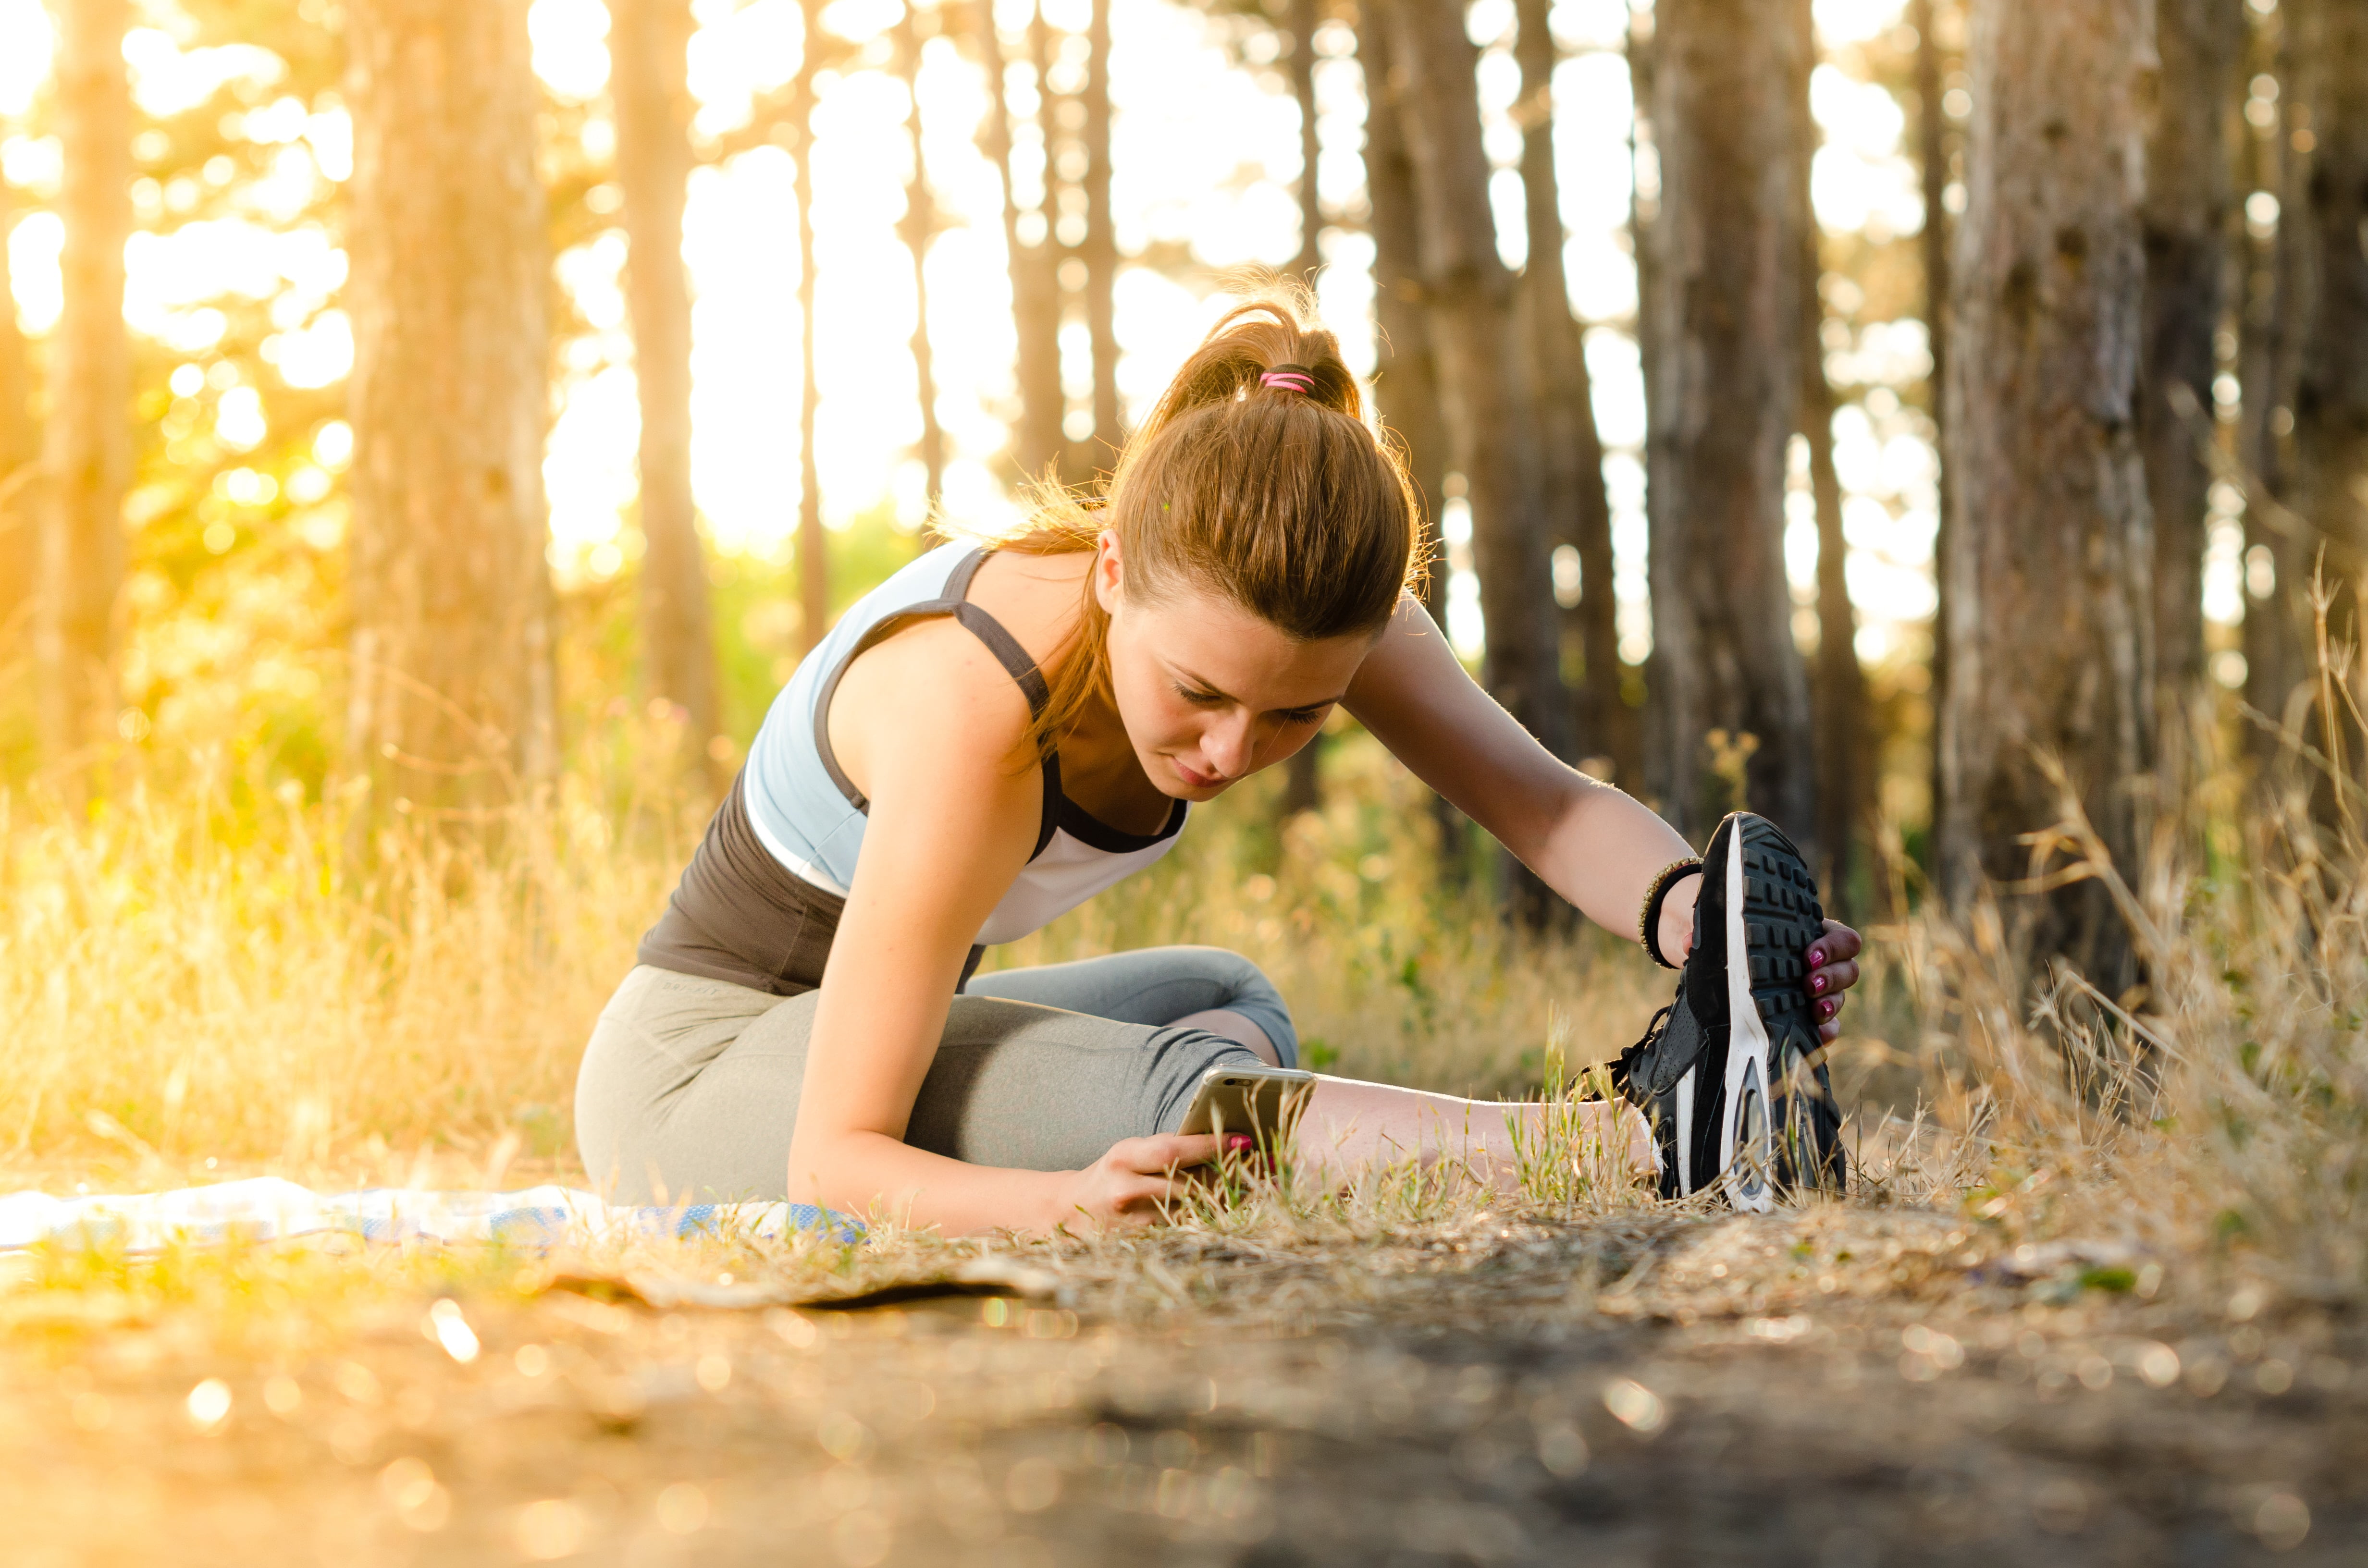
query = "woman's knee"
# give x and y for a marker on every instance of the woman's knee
(1245, 988)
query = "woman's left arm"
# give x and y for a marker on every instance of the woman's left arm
(1596, 846)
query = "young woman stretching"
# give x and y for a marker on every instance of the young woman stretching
(997, 732)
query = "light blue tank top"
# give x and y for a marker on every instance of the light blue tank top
(810, 817)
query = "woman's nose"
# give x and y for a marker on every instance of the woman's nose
(1228, 746)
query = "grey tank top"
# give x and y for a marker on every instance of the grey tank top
(760, 903)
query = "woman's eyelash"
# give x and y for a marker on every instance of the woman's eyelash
(1188, 695)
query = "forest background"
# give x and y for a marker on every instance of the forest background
(430, 432)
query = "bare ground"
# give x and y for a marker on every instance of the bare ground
(1842, 1385)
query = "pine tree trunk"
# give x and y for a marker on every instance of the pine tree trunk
(1845, 766)
(2051, 565)
(1406, 378)
(1932, 166)
(451, 704)
(1302, 784)
(1578, 509)
(649, 45)
(2280, 307)
(1844, 770)
(2187, 213)
(88, 456)
(2330, 406)
(20, 499)
(813, 549)
(1490, 415)
(1099, 253)
(1728, 249)
(919, 227)
(1035, 282)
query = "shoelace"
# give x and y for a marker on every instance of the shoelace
(1652, 1037)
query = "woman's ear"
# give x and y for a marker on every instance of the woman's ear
(1109, 571)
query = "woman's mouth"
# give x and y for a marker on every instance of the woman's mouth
(1197, 780)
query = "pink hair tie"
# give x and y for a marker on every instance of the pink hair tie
(1294, 378)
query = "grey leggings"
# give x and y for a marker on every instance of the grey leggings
(689, 1087)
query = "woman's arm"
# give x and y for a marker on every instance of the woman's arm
(1594, 844)
(928, 725)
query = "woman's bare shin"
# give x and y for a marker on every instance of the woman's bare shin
(1349, 1127)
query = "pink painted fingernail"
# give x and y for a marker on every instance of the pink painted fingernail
(1816, 982)
(1827, 1009)
(1238, 1141)
(1817, 956)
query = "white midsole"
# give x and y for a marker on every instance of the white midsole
(1686, 1131)
(1747, 1038)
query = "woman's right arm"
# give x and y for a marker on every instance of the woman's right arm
(928, 724)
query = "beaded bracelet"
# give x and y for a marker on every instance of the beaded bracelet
(1648, 923)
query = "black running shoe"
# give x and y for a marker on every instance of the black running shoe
(1731, 1073)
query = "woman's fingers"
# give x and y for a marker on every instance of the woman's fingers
(1833, 977)
(1838, 942)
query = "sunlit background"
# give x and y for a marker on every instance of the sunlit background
(1205, 152)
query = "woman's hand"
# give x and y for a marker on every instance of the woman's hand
(1128, 1184)
(1833, 969)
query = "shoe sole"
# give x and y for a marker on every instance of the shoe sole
(1771, 917)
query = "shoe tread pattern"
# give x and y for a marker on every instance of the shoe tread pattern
(1781, 917)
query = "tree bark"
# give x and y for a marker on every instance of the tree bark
(20, 500)
(2280, 307)
(649, 41)
(1578, 509)
(1490, 417)
(451, 704)
(1845, 767)
(88, 456)
(2186, 223)
(813, 549)
(1728, 248)
(2330, 406)
(1302, 784)
(919, 227)
(1844, 772)
(1405, 376)
(1932, 158)
(1100, 253)
(2051, 566)
(1035, 280)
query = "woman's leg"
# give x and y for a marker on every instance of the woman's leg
(1177, 987)
(1349, 1125)
(689, 1087)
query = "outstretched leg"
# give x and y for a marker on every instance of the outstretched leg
(1350, 1126)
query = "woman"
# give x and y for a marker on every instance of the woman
(994, 734)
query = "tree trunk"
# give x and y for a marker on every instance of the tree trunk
(1578, 510)
(1845, 766)
(1100, 253)
(88, 456)
(919, 227)
(451, 705)
(1932, 158)
(1728, 248)
(20, 500)
(1406, 378)
(649, 42)
(1303, 785)
(1844, 770)
(2186, 217)
(1033, 263)
(2051, 567)
(1490, 417)
(2330, 406)
(2278, 309)
(814, 549)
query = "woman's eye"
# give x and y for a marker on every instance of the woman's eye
(1303, 715)
(1204, 699)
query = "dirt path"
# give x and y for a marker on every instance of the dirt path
(1838, 1390)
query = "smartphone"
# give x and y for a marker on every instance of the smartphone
(1261, 1101)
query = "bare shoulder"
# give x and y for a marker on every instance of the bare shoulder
(930, 696)
(1036, 597)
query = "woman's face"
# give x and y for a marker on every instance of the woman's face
(1210, 693)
